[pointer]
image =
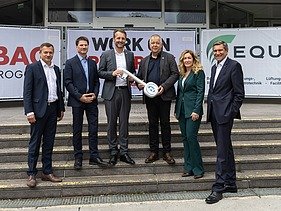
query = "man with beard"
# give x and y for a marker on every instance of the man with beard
(117, 95)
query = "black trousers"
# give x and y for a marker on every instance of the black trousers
(46, 127)
(92, 118)
(225, 164)
(159, 110)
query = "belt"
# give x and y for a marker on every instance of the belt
(121, 87)
(51, 103)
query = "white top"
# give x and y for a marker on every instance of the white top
(120, 63)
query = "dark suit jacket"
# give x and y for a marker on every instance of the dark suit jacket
(35, 91)
(169, 74)
(75, 80)
(107, 65)
(191, 95)
(227, 95)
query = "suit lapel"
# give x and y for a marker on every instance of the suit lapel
(41, 70)
(113, 59)
(222, 72)
(81, 67)
(162, 63)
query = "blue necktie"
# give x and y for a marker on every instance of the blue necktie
(85, 67)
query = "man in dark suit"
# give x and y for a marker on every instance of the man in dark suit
(226, 93)
(43, 106)
(82, 82)
(117, 95)
(159, 67)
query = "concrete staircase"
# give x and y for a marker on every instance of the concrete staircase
(257, 146)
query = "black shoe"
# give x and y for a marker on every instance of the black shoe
(98, 161)
(230, 189)
(198, 176)
(152, 157)
(214, 197)
(112, 160)
(127, 159)
(187, 174)
(78, 164)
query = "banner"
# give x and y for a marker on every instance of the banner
(257, 49)
(137, 42)
(18, 48)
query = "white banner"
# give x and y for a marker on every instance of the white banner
(18, 48)
(257, 49)
(174, 42)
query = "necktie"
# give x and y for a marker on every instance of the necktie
(85, 67)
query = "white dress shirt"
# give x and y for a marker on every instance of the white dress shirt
(121, 63)
(51, 81)
(218, 70)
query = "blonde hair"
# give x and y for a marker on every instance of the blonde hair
(196, 67)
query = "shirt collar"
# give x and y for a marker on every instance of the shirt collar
(81, 57)
(221, 63)
(117, 52)
(45, 65)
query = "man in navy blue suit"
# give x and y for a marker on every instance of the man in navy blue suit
(226, 93)
(82, 82)
(43, 106)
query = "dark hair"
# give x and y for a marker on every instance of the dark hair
(119, 30)
(221, 42)
(81, 38)
(46, 44)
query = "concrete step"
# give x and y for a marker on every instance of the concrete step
(65, 153)
(134, 183)
(65, 168)
(142, 125)
(142, 137)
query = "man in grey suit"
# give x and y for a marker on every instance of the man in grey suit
(159, 67)
(225, 97)
(117, 95)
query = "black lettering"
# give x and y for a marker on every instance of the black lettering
(1, 74)
(259, 48)
(277, 55)
(136, 44)
(239, 52)
(18, 74)
(128, 43)
(9, 74)
(166, 44)
(100, 43)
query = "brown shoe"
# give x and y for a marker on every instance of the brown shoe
(31, 181)
(151, 158)
(50, 177)
(168, 158)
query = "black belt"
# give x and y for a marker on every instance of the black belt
(121, 87)
(51, 103)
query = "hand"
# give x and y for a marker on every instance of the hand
(117, 73)
(160, 90)
(194, 116)
(31, 119)
(87, 98)
(61, 116)
(140, 86)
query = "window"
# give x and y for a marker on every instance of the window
(185, 11)
(70, 11)
(129, 8)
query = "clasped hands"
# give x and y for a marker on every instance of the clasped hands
(88, 98)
